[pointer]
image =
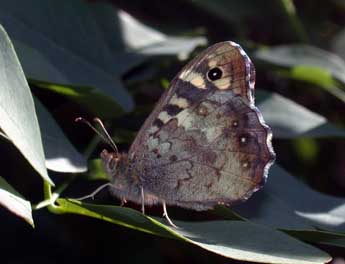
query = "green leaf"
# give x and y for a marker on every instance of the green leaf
(72, 48)
(232, 239)
(146, 40)
(309, 64)
(60, 154)
(87, 45)
(117, 215)
(96, 170)
(313, 74)
(14, 202)
(289, 119)
(318, 76)
(17, 112)
(304, 55)
(306, 148)
(99, 104)
(249, 242)
(320, 237)
(286, 203)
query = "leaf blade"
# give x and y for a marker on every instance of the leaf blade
(289, 119)
(14, 202)
(247, 241)
(60, 154)
(297, 207)
(18, 118)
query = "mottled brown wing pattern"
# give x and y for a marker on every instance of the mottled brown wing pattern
(216, 155)
(191, 85)
(205, 142)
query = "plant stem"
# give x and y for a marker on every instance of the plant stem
(91, 147)
(51, 197)
(290, 10)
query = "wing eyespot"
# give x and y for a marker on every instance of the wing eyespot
(202, 110)
(215, 74)
(245, 139)
(245, 164)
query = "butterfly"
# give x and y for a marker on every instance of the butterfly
(205, 143)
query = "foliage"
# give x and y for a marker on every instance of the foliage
(112, 59)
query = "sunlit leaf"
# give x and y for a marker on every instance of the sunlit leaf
(289, 119)
(318, 76)
(146, 40)
(92, 46)
(75, 50)
(303, 55)
(60, 154)
(287, 203)
(17, 111)
(99, 104)
(233, 239)
(310, 64)
(14, 202)
(313, 74)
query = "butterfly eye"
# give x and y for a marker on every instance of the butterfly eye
(215, 74)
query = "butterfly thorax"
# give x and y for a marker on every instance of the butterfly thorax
(126, 185)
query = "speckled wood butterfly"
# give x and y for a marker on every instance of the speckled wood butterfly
(205, 143)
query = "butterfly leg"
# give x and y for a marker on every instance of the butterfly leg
(123, 201)
(142, 200)
(92, 195)
(165, 214)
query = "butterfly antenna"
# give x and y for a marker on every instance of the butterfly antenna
(105, 136)
(110, 140)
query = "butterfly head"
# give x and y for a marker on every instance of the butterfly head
(124, 184)
(114, 163)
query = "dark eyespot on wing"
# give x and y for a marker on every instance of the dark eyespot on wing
(214, 74)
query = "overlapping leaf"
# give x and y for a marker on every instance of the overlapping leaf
(309, 64)
(91, 47)
(14, 202)
(233, 239)
(60, 154)
(289, 119)
(146, 40)
(91, 98)
(73, 50)
(286, 203)
(17, 111)
(296, 55)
